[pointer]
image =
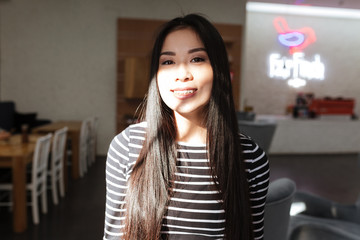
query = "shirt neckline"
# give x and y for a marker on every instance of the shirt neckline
(191, 144)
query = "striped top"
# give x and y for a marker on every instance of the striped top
(194, 210)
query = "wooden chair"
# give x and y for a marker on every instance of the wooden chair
(56, 171)
(37, 185)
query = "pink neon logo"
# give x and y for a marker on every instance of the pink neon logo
(295, 39)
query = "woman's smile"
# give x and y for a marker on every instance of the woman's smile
(184, 93)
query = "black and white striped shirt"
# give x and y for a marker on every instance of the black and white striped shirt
(195, 210)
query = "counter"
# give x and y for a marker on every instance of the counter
(302, 136)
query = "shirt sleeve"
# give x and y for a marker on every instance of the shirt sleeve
(117, 166)
(257, 167)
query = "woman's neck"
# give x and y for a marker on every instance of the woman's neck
(190, 130)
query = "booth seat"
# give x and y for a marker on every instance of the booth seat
(12, 120)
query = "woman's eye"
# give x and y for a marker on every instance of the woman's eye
(167, 62)
(197, 59)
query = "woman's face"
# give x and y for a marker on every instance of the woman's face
(185, 74)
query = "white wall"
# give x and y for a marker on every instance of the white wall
(338, 44)
(58, 58)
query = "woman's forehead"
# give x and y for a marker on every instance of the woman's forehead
(181, 38)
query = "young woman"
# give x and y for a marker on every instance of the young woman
(185, 172)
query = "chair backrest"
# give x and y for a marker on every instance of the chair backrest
(85, 134)
(261, 132)
(58, 150)
(245, 116)
(40, 160)
(93, 136)
(95, 125)
(277, 209)
(84, 145)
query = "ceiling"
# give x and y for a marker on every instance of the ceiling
(352, 4)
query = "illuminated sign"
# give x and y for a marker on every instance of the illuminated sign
(296, 40)
(296, 69)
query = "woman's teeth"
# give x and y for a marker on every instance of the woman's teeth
(185, 92)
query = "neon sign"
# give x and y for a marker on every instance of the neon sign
(295, 69)
(292, 39)
(296, 40)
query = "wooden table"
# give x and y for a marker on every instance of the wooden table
(74, 128)
(16, 155)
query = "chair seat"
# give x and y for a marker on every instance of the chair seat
(315, 228)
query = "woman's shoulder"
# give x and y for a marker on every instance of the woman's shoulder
(133, 128)
(136, 127)
(247, 142)
(138, 130)
(256, 162)
(251, 150)
(139, 125)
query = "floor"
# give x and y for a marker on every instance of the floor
(80, 214)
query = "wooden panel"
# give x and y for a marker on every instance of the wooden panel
(232, 36)
(135, 38)
(136, 77)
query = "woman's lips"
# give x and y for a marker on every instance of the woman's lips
(183, 93)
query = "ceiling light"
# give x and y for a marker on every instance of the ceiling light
(302, 10)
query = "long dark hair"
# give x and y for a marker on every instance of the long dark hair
(150, 182)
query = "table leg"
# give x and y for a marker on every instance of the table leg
(19, 194)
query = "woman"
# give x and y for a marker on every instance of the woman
(185, 172)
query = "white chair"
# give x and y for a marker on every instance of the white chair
(56, 171)
(92, 140)
(84, 146)
(37, 185)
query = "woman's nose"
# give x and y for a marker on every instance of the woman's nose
(184, 74)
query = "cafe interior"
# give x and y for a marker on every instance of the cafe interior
(69, 82)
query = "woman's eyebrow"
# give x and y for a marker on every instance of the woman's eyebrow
(196, 50)
(168, 53)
